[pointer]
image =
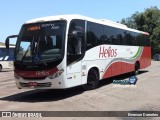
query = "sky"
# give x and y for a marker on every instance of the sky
(13, 13)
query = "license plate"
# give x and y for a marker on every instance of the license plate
(32, 83)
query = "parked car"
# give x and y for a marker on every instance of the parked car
(156, 57)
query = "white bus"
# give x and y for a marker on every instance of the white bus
(64, 51)
(6, 57)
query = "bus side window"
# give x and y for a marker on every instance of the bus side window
(76, 36)
(91, 39)
(94, 35)
(133, 41)
(139, 39)
(109, 32)
(11, 54)
(127, 37)
(7, 52)
(119, 37)
(76, 41)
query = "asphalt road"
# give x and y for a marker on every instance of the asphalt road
(144, 96)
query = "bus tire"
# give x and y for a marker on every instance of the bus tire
(92, 80)
(0, 67)
(136, 68)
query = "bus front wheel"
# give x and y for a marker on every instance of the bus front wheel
(92, 80)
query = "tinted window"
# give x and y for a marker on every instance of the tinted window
(139, 40)
(76, 42)
(77, 25)
(9, 54)
(94, 34)
(114, 36)
(4, 52)
(120, 36)
(126, 38)
(146, 40)
(133, 38)
(1, 53)
(101, 34)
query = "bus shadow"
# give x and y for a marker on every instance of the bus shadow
(55, 95)
(10, 70)
(43, 95)
(119, 77)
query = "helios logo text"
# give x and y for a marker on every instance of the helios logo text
(107, 52)
(42, 73)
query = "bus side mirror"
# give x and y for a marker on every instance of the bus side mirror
(7, 40)
(7, 43)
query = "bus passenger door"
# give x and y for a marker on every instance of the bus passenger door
(74, 63)
(74, 74)
(75, 52)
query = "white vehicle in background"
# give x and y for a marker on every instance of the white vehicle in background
(6, 57)
(156, 57)
(65, 51)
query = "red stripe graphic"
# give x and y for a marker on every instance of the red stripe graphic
(43, 73)
(118, 67)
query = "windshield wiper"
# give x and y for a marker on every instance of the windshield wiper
(26, 53)
(37, 50)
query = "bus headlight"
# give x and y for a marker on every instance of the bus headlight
(16, 76)
(57, 74)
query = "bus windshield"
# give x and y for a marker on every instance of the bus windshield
(41, 42)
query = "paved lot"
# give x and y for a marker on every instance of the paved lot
(108, 97)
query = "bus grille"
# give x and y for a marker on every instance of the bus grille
(34, 78)
(48, 84)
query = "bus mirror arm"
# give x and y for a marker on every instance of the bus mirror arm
(7, 40)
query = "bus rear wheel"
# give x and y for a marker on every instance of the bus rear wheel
(92, 80)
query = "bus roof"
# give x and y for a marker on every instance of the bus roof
(75, 16)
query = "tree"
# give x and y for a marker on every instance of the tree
(148, 21)
(155, 37)
(130, 21)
